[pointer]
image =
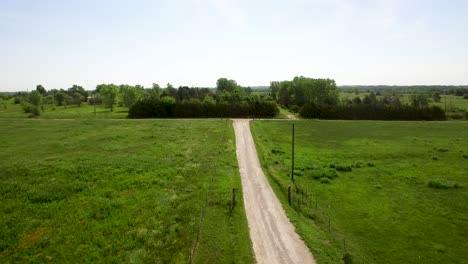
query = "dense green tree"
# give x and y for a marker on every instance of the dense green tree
(223, 84)
(35, 98)
(129, 95)
(77, 99)
(284, 97)
(59, 98)
(436, 96)
(419, 101)
(77, 89)
(274, 87)
(68, 100)
(108, 93)
(49, 99)
(41, 89)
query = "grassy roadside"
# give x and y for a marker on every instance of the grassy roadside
(395, 192)
(111, 191)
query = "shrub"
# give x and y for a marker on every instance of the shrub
(347, 259)
(324, 173)
(435, 158)
(343, 168)
(465, 96)
(275, 151)
(324, 180)
(35, 112)
(294, 108)
(441, 184)
(28, 107)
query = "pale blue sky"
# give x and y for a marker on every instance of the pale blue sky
(194, 42)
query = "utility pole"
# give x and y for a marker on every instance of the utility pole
(292, 165)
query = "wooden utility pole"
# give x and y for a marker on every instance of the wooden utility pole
(292, 161)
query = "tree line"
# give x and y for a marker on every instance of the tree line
(228, 100)
(319, 98)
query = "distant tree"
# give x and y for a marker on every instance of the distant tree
(419, 101)
(357, 100)
(59, 98)
(77, 99)
(49, 99)
(274, 87)
(109, 95)
(183, 93)
(41, 89)
(77, 89)
(223, 84)
(436, 96)
(35, 98)
(169, 91)
(68, 100)
(169, 104)
(284, 97)
(129, 95)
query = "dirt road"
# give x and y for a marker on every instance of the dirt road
(273, 237)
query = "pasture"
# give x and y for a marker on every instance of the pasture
(372, 192)
(120, 191)
(10, 110)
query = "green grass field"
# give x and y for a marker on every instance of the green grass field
(85, 111)
(384, 192)
(119, 191)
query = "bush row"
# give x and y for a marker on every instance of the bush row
(371, 112)
(155, 108)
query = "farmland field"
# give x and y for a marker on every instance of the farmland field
(114, 191)
(10, 110)
(383, 192)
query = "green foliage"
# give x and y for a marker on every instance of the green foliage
(77, 99)
(77, 89)
(223, 84)
(302, 90)
(442, 184)
(130, 94)
(108, 94)
(28, 107)
(41, 89)
(371, 109)
(49, 99)
(59, 98)
(35, 98)
(196, 102)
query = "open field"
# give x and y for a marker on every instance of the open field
(64, 112)
(114, 191)
(385, 192)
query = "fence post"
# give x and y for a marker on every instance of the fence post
(233, 200)
(289, 195)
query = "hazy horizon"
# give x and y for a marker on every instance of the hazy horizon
(195, 42)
